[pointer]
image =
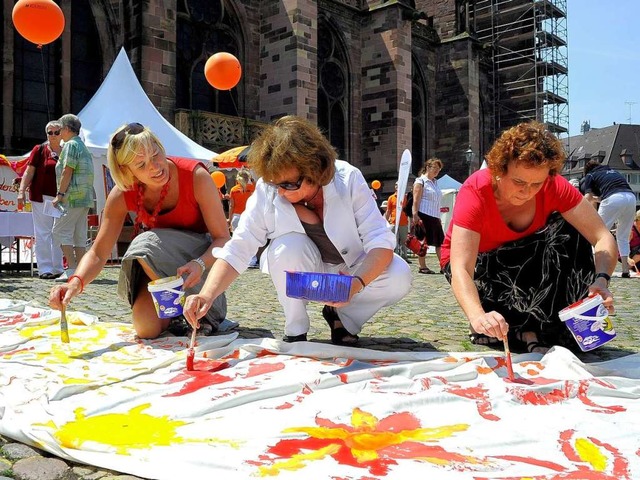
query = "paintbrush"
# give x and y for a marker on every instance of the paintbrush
(507, 354)
(64, 328)
(191, 353)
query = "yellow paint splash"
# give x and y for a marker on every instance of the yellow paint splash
(590, 453)
(298, 461)
(124, 431)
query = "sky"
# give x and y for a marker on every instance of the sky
(604, 62)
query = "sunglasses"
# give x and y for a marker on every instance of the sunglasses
(53, 132)
(131, 129)
(290, 186)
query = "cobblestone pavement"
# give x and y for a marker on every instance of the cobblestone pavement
(427, 319)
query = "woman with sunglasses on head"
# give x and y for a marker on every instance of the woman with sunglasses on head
(319, 216)
(178, 220)
(40, 179)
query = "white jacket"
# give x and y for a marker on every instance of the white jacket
(352, 220)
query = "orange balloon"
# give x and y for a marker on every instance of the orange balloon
(222, 71)
(218, 178)
(376, 184)
(39, 21)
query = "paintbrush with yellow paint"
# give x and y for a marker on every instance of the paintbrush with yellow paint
(64, 328)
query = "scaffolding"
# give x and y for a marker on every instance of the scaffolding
(529, 60)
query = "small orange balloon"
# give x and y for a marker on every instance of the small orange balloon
(218, 178)
(39, 21)
(376, 184)
(222, 71)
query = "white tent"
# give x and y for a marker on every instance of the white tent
(120, 100)
(447, 182)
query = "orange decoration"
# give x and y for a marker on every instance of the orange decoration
(219, 179)
(39, 21)
(376, 184)
(223, 71)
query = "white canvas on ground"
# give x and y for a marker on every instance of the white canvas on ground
(261, 408)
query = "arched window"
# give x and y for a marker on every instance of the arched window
(36, 81)
(38, 77)
(86, 59)
(333, 88)
(419, 118)
(205, 27)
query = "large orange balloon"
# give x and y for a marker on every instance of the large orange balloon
(39, 21)
(376, 184)
(223, 71)
(218, 178)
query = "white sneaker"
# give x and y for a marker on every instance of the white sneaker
(65, 276)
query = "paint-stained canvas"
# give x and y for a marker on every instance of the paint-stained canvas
(263, 408)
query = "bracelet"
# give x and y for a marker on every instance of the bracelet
(81, 282)
(60, 194)
(606, 276)
(200, 262)
(359, 278)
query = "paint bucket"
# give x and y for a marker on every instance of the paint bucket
(589, 322)
(319, 287)
(168, 296)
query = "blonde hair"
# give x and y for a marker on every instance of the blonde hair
(637, 215)
(133, 145)
(293, 142)
(243, 178)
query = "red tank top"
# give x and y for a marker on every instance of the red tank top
(186, 215)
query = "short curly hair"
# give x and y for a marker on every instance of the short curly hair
(529, 144)
(293, 142)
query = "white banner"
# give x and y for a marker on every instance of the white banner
(403, 177)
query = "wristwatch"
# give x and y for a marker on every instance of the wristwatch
(200, 262)
(606, 276)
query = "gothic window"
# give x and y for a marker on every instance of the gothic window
(419, 118)
(333, 88)
(36, 81)
(86, 59)
(205, 27)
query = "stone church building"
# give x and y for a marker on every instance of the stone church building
(378, 76)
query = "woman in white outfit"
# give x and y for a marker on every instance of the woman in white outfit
(319, 216)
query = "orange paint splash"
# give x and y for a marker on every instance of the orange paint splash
(264, 368)
(367, 443)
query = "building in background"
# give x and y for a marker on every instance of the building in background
(441, 78)
(617, 146)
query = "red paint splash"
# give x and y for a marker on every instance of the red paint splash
(202, 376)
(264, 368)
(481, 397)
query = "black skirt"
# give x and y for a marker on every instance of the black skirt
(530, 280)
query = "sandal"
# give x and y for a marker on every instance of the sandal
(531, 346)
(482, 339)
(426, 270)
(295, 338)
(339, 335)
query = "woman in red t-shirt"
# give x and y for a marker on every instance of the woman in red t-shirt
(179, 216)
(519, 246)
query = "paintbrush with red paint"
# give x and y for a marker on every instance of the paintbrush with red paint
(191, 353)
(507, 354)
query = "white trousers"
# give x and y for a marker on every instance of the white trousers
(620, 208)
(297, 252)
(48, 254)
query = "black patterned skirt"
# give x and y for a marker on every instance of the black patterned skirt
(530, 280)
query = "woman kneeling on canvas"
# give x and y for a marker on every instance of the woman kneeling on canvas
(178, 220)
(319, 216)
(519, 246)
